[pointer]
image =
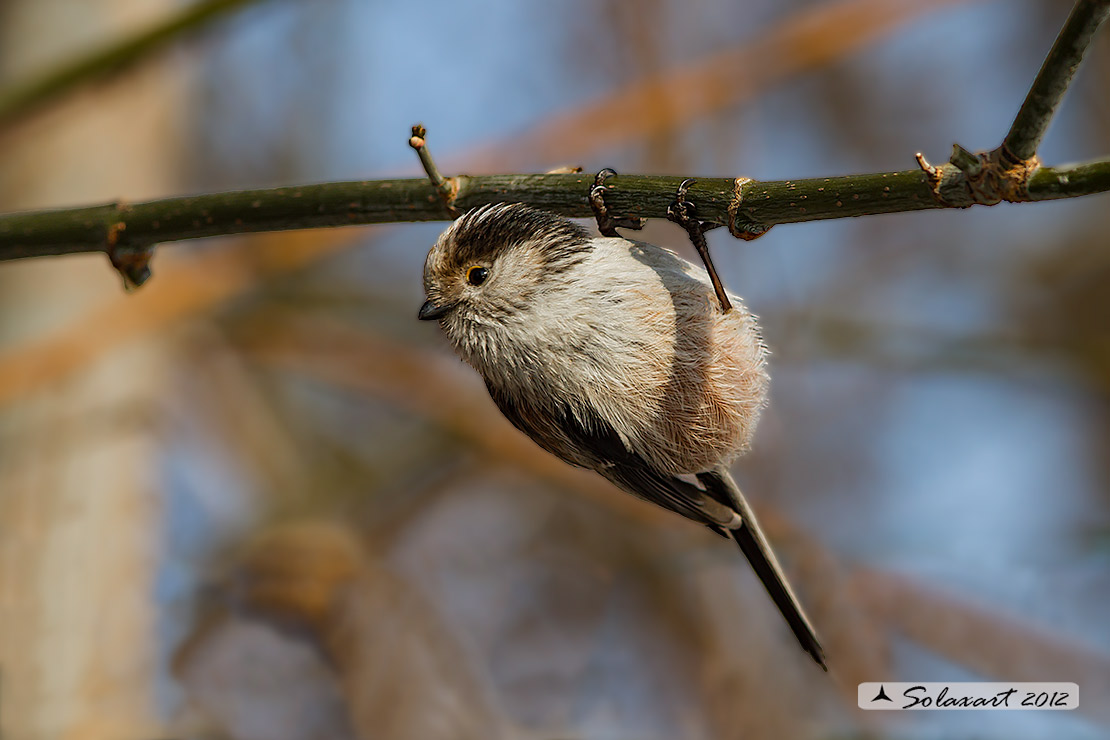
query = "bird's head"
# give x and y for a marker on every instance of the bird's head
(491, 266)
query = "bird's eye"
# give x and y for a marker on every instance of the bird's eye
(477, 275)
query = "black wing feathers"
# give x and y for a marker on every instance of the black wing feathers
(562, 432)
(587, 440)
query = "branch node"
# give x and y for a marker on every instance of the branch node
(131, 262)
(931, 172)
(446, 187)
(983, 178)
(934, 175)
(980, 175)
(967, 162)
(746, 229)
(1013, 174)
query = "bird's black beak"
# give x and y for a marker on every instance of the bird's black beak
(430, 311)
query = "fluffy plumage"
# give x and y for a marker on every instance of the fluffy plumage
(613, 355)
(624, 320)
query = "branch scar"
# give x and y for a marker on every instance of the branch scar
(743, 229)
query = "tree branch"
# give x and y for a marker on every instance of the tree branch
(120, 228)
(1054, 78)
(127, 233)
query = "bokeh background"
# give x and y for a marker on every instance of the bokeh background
(258, 499)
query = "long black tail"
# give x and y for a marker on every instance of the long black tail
(758, 551)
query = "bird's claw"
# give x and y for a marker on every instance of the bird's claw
(684, 213)
(607, 224)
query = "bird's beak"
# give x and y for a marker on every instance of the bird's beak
(430, 311)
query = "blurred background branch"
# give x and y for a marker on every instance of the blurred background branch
(20, 98)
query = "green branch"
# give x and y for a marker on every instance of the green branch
(770, 202)
(1053, 79)
(127, 233)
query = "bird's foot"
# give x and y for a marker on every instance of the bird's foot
(684, 213)
(606, 223)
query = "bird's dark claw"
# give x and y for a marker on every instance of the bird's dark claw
(684, 213)
(606, 223)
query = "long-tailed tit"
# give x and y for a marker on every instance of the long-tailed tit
(614, 355)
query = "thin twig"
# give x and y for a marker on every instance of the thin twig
(447, 188)
(1053, 79)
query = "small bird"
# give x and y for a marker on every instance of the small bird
(617, 356)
